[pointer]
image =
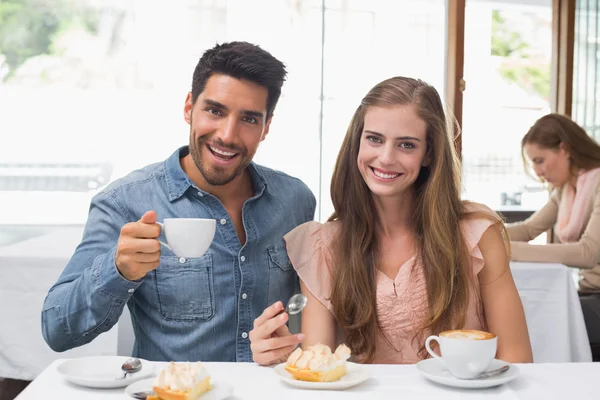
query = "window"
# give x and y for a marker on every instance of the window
(93, 89)
(508, 47)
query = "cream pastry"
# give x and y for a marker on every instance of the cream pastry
(181, 381)
(318, 364)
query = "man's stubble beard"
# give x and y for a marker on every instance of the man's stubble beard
(218, 176)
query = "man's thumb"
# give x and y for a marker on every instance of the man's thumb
(149, 217)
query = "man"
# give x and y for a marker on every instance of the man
(196, 308)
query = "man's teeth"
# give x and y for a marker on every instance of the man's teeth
(385, 176)
(223, 153)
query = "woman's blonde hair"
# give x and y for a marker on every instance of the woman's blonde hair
(439, 241)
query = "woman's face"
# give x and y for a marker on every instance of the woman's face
(552, 165)
(392, 149)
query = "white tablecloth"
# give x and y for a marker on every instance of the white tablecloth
(403, 382)
(29, 268)
(553, 312)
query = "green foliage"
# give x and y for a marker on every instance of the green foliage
(29, 27)
(519, 68)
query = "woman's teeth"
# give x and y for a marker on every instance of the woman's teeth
(384, 176)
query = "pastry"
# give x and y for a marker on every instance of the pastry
(318, 364)
(181, 381)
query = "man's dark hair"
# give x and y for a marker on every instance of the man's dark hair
(241, 60)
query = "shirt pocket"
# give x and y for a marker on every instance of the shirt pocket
(282, 277)
(184, 287)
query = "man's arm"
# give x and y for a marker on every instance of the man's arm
(90, 294)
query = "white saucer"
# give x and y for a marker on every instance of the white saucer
(356, 374)
(102, 371)
(220, 390)
(436, 371)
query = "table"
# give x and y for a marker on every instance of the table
(553, 312)
(28, 269)
(249, 381)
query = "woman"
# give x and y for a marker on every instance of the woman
(401, 257)
(564, 155)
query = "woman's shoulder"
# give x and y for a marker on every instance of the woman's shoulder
(475, 220)
(313, 233)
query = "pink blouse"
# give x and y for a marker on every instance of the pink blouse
(401, 302)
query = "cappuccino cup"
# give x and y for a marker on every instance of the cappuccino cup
(188, 237)
(466, 353)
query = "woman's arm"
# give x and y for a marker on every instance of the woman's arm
(318, 324)
(501, 302)
(585, 253)
(541, 221)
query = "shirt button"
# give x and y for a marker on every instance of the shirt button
(223, 221)
(182, 260)
(133, 290)
(200, 194)
(243, 258)
(244, 335)
(244, 296)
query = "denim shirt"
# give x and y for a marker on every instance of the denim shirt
(186, 309)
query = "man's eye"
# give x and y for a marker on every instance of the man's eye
(214, 111)
(250, 120)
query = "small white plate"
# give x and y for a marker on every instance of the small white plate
(436, 371)
(220, 390)
(356, 375)
(102, 371)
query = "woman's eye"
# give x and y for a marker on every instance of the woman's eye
(374, 139)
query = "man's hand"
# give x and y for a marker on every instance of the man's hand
(270, 340)
(138, 250)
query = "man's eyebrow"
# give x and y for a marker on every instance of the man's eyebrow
(397, 138)
(250, 113)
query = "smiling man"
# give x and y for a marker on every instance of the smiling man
(197, 308)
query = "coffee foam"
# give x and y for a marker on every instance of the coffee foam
(467, 334)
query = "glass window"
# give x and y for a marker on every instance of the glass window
(508, 49)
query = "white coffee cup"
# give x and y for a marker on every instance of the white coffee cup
(466, 353)
(188, 237)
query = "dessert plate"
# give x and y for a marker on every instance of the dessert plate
(220, 390)
(356, 375)
(436, 371)
(102, 371)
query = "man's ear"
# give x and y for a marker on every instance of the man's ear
(187, 108)
(267, 126)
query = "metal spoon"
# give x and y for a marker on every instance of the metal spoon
(494, 372)
(296, 304)
(142, 395)
(130, 366)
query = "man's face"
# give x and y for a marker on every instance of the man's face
(227, 123)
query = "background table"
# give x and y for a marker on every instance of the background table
(28, 269)
(249, 381)
(553, 312)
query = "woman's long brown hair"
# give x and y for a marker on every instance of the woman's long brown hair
(553, 130)
(439, 240)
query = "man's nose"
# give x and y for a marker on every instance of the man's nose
(229, 130)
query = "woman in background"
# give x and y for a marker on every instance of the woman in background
(402, 256)
(564, 155)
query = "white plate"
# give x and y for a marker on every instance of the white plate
(220, 390)
(102, 371)
(356, 375)
(436, 371)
